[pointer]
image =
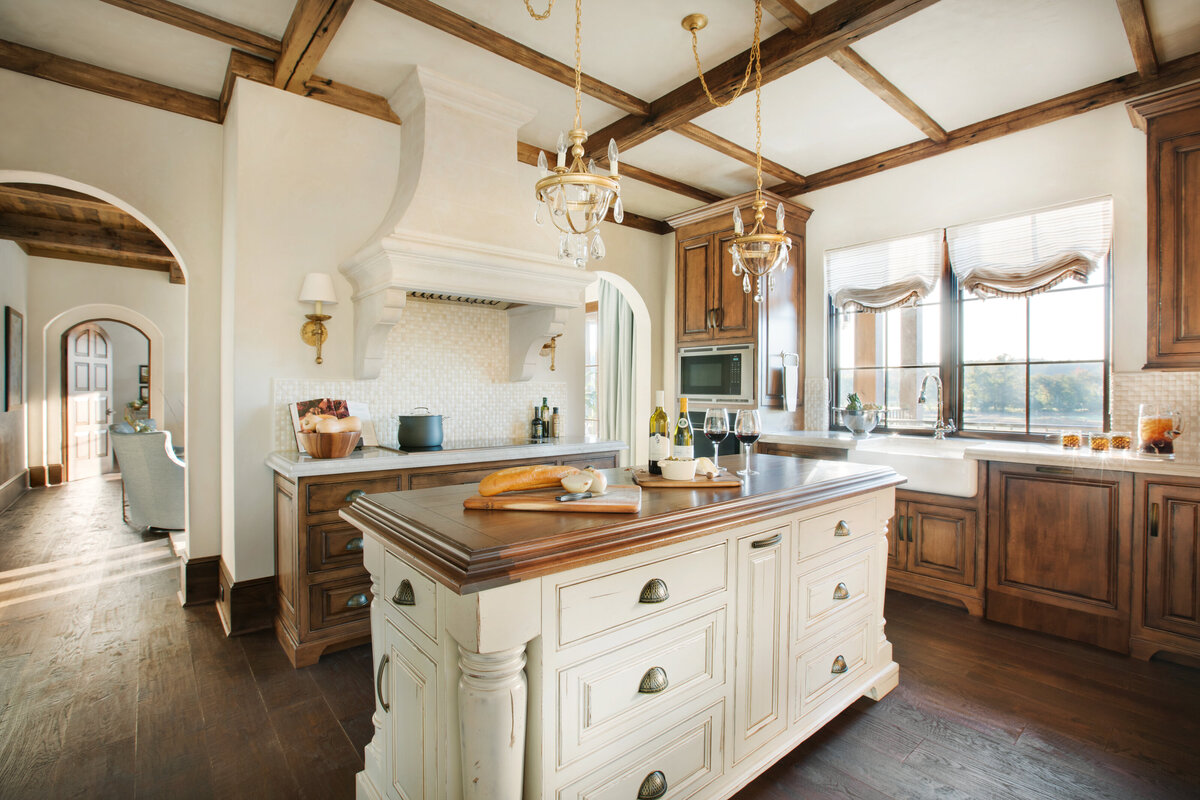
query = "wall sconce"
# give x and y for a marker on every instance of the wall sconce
(318, 290)
(549, 347)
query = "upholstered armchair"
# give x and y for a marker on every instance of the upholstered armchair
(153, 477)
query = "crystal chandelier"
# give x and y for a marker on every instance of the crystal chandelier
(577, 197)
(759, 252)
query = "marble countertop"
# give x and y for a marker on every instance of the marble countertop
(292, 464)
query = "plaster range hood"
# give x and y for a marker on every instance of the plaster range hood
(459, 226)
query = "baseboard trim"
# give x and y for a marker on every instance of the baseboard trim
(13, 488)
(245, 606)
(199, 581)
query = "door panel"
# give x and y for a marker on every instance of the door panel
(693, 290)
(88, 402)
(737, 313)
(1173, 559)
(760, 681)
(943, 542)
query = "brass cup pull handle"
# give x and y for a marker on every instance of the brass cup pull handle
(384, 704)
(357, 600)
(655, 591)
(653, 786)
(840, 592)
(350, 498)
(1154, 519)
(654, 681)
(354, 544)
(839, 666)
(842, 528)
(900, 528)
(404, 594)
(769, 542)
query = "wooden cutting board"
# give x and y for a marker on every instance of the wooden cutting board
(723, 481)
(617, 500)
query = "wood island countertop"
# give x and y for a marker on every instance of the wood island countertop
(470, 550)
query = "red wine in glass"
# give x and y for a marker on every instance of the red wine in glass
(716, 428)
(747, 438)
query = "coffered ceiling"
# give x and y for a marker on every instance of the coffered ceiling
(852, 86)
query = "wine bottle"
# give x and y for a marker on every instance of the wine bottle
(660, 434)
(536, 431)
(545, 419)
(683, 433)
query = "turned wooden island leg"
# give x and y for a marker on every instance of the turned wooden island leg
(492, 703)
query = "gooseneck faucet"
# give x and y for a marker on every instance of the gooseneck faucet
(943, 426)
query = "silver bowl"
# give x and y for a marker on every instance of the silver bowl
(859, 423)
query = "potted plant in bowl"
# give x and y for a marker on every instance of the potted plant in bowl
(858, 417)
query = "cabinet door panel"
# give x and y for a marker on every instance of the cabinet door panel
(943, 542)
(897, 549)
(737, 313)
(693, 291)
(1179, 247)
(760, 692)
(1173, 559)
(412, 699)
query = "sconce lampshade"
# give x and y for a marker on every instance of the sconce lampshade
(318, 288)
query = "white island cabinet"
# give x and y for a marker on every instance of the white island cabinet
(673, 653)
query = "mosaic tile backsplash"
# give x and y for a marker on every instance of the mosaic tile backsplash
(1177, 390)
(451, 358)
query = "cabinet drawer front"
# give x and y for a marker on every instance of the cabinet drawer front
(457, 477)
(411, 593)
(339, 602)
(617, 694)
(322, 497)
(334, 545)
(842, 589)
(608, 602)
(599, 461)
(689, 757)
(836, 530)
(823, 669)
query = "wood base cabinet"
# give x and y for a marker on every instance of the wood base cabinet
(1059, 551)
(1166, 593)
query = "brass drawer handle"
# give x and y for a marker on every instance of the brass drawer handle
(383, 662)
(900, 527)
(654, 681)
(1154, 519)
(1055, 470)
(653, 786)
(655, 591)
(404, 594)
(839, 666)
(774, 540)
(842, 528)
(357, 600)
(355, 544)
(354, 494)
(840, 592)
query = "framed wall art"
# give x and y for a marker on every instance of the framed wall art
(14, 350)
(144, 373)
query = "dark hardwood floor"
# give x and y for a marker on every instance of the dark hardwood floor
(109, 689)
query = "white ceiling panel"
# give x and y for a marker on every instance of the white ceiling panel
(110, 37)
(814, 118)
(676, 157)
(964, 61)
(1175, 27)
(262, 16)
(375, 47)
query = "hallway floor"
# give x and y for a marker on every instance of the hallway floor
(108, 689)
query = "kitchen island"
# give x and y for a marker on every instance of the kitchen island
(677, 651)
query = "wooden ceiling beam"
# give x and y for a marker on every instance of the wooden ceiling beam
(858, 68)
(69, 72)
(733, 150)
(37, 193)
(837, 25)
(527, 154)
(1137, 28)
(469, 31)
(789, 12)
(309, 33)
(641, 223)
(191, 20)
(85, 236)
(1127, 87)
(171, 268)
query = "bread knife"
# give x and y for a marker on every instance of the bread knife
(562, 498)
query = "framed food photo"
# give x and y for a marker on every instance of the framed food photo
(144, 393)
(14, 349)
(144, 373)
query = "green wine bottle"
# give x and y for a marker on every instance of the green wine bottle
(683, 433)
(660, 434)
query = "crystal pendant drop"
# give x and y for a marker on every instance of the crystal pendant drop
(537, 215)
(618, 211)
(737, 261)
(758, 291)
(596, 251)
(592, 166)
(737, 221)
(564, 250)
(543, 166)
(771, 283)
(746, 284)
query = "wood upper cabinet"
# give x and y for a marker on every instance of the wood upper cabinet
(1171, 121)
(711, 307)
(1058, 553)
(1167, 567)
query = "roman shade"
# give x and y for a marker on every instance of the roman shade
(1023, 255)
(880, 276)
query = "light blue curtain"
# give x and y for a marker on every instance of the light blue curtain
(617, 360)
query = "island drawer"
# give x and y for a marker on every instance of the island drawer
(607, 602)
(836, 530)
(686, 758)
(338, 602)
(334, 495)
(619, 693)
(410, 593)
(834, 591)
(823, 669)
(333, 545)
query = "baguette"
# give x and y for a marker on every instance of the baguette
(513, 479)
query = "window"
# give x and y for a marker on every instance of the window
(591, 369)
(1025, 302)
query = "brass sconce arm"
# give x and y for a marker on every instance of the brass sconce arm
(549, 348)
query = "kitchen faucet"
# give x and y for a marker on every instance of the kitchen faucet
(942, 427)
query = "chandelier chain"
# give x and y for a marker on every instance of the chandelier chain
(756, 60)
(578, 58)
(536, 15)
(745, 78)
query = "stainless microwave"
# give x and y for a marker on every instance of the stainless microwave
(717, 374)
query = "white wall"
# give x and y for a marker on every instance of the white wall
(166, 170)
(1093, 154)
(130, 350)
(13, 461)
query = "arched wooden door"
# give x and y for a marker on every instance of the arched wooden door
(89, 402)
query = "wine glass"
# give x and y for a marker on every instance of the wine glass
(747, 428)
(716, 428)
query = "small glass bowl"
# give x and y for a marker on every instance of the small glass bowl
(1099, 442)
(1121, 441)
(1071, 440)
